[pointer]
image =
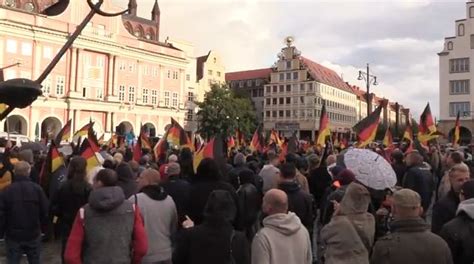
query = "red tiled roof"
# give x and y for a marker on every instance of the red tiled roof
(248, 75)
(358, 92)
(325, 75)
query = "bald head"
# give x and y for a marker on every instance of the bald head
(275, 202)
(331, 159)
(148, 177)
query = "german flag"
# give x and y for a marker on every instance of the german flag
(240, 139)
(56, 160)
(257, 143)
(89, 154)
(101, 140)
(388, 139)
(197, 143)
(324, 130)
(427, 128)
(92, 137)
(275, 138)
(284, 151)
(366, 129)
(344, 143)
(144, 140)
(160, 148)
(64, 134)
(212, 149)
(51, 164)
(84, 131)
(230, 143)
(112, 141)
(457, 131)
(408, 134)
(176, 135)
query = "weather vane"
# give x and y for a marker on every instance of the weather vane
(21, 92)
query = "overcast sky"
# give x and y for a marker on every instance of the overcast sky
(399, 38)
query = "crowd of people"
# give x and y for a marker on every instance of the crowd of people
(302, 208)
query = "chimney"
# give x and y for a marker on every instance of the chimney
(155, 13)
(132, 7)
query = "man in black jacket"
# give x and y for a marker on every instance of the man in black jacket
(419, 178)
(23, 209)
(445, 209)
(459, 232)
(299, 202)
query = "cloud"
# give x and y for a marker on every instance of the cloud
(400, 39)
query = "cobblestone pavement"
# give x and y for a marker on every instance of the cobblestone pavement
(50, 253)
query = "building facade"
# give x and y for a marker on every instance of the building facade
(455, 77)
(118, 73)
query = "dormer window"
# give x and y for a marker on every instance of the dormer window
(461, 30)
(471, 12)
(450, 45)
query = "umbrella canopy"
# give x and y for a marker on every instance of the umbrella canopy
(370, 168)
(34, 146)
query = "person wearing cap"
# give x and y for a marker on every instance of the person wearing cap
(459, 232)
(410, 240)
(445, 208)
(419, 178)
(178, 189)
(239, 165)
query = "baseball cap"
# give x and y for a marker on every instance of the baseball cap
(406, 198)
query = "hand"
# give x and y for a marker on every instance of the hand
(337, 207)
(188, 223)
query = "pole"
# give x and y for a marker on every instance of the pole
(369, 102)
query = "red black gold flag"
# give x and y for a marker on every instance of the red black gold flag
(89, 154)
(160, 148)
(257, 143)
(240, 139)
(212, 149)
(230, 143)
(64, 134)
(366, 129)
(144, 140)
(457, 131)
(427, 127)
(51, 164)
(275, 138)
(177, 136)
(388, 139)
(324, 130)
(84, 131)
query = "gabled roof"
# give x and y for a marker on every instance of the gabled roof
(200, 65)
(325, 75)
(248, 75)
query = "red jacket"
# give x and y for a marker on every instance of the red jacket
(73, 253)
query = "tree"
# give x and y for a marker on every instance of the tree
(222, 112)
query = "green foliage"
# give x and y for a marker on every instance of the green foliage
(222, 112)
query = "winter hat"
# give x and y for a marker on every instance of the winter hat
(239, 159)
(246, 176)
(173, 169)
(172, 158)
(26, 155)
(335, 170)
(467, 189)
(345, 177)
(124, 172)
(220, 204)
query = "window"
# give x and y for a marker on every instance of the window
(122, 66)
(101, 30)
(471, 12)
(241, 84)
(459, 65)
(218, 74)
(175, 75)
(154, 97)
(190, 96)
(100, 61)
(189, 116)
(145, 96)
(274, 101)
(254, 92)
(146, 70)
(60, 80)
(167, 98)
(288, 100)
(302, 87)
(131, 94)
(282, 88)
(188, 77)
(310, 87)
(260, 92)
(11, 46)
(282, 76)
(131, 67)
(84, 92)
(268, 101)
(464, 108)
(282, 100)
(121, 94)
(268, 89)
(258, 82)
(288, 113)
(26, 49)
(295, 76)
(47, 52)
(288, 88)
(280, 113)
(274, 113)
(155, 71)
(249, 83)
(267, 114)
(99, 93)
(288, 75)
(46, 86)
(175, 100)
(459, 87)
(461, 30)
(472, 43)
(209, 72)
(275, 89)
(288, 65)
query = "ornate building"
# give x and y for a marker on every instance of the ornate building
(118, 73)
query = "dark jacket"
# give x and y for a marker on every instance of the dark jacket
(328, 211)
(411, 242)
(400, 170)
(23, 209)
(198, 195)
(179, 190)
(126, 179)
(459, 233)
(299, 202)
(419, 179)
(444, 210)
(318, 180)
(250, 201)
(234, 175)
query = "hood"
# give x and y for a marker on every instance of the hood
(467, 206)
(220, 205)
(409, 225)
(286, 224)
(124, 172)
(289, 186)
(356, 200)
(155, 192)
(106, 198)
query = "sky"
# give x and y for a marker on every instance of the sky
(400, 39)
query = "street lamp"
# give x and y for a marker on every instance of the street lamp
(369, 79)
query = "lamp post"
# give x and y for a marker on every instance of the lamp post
(369, 79)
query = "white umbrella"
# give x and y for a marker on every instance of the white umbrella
(370, 168)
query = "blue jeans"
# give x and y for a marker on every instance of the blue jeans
(15, 250)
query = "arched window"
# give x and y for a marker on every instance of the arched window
(471, 12)
(461, 30)
(450, 45)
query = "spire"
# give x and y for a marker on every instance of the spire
(155, 13)
(132, 7)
